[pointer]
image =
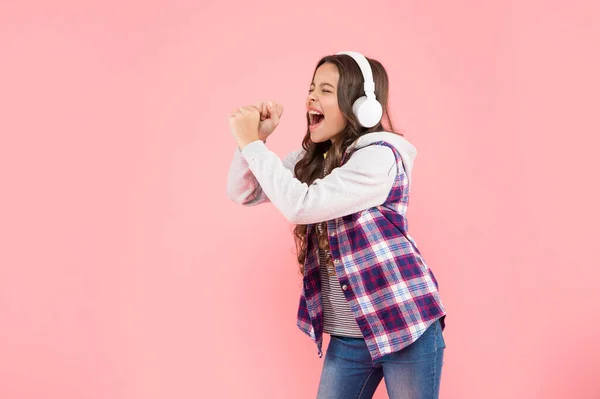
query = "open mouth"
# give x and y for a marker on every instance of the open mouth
(315, 119)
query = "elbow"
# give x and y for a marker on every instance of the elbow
(292, 219)
(235, 196)
(299, 212)
(294, 216)
(239, 199)
(231, 194)
(243, 198)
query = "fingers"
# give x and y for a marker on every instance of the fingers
(252, 108)
(272, 105)
(249, 109)
(264, 114)
(275, 111)
(243, 111)
(262, 109)
(266, 109)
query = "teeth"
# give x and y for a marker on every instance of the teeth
(311, 115)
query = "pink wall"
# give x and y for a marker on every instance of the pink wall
(120, 276)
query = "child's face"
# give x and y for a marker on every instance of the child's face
(322, 97)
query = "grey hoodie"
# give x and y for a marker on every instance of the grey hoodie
(257, 175)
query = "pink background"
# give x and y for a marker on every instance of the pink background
(125, 272)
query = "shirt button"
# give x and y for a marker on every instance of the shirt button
(337, 261)
(332, 234)
(344, 287)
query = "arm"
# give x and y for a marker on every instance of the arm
(361, 183)
(242, 186)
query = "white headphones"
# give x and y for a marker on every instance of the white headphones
(367, 109)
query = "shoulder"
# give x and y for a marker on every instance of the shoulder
(373, 159)
(376, 151)
(395, 140)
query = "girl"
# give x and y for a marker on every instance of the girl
(347, 190)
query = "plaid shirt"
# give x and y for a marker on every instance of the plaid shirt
(391, 291)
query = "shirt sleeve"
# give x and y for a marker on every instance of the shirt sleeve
(242, 186)
(364, 181)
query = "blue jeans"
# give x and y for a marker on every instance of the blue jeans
(411, 373)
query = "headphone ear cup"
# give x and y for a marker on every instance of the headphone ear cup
(367, 111)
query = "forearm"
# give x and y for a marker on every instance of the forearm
(242, 186)
(364, 182)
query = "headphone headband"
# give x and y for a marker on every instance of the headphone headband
(367, 109)
(365, 68)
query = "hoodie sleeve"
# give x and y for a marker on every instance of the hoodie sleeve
(242, 186)
(361, 183)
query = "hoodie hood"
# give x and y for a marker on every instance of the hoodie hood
(407, 151)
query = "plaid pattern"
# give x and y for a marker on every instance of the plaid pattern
(391, 291)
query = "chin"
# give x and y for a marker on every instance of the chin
(317, 138)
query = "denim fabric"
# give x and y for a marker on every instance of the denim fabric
(413, 372)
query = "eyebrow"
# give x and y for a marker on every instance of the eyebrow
(323, 84)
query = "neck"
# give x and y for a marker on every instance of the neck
(335, 144)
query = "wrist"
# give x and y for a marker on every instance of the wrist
(243, 144)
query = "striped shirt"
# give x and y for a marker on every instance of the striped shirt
(338, 319)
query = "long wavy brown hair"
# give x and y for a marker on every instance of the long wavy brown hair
(313, 164)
